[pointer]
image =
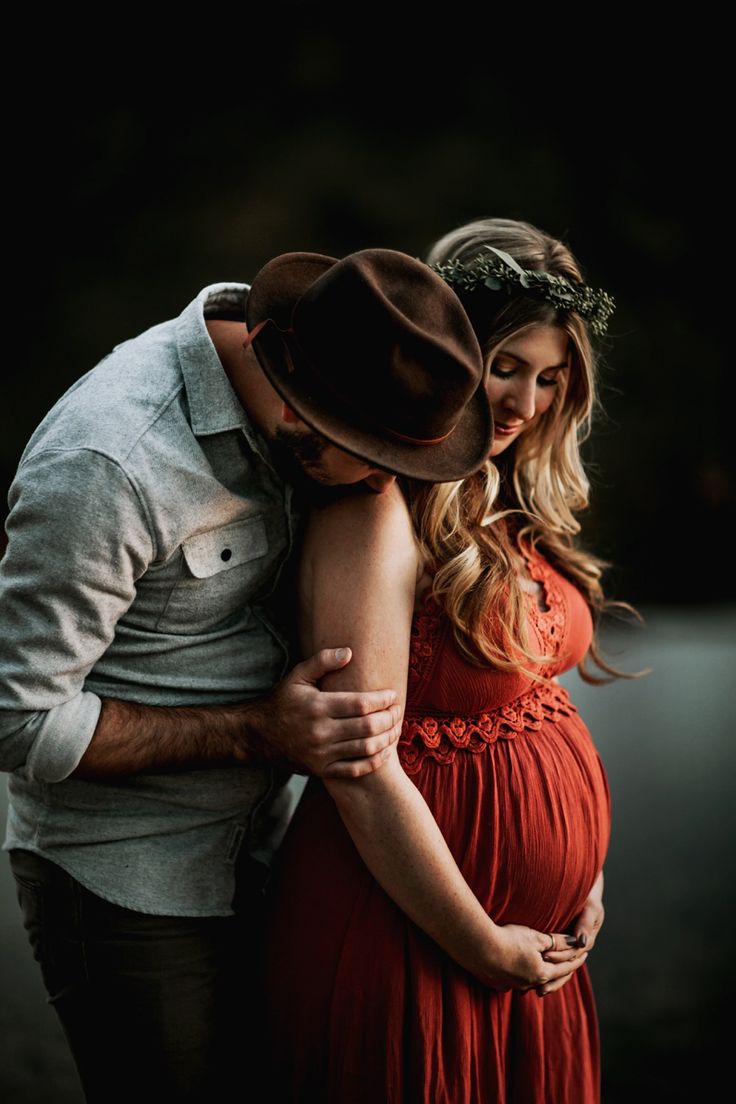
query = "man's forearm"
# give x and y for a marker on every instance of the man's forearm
(131, 738)
(296, 726)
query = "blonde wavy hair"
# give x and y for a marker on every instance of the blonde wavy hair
(475, 530)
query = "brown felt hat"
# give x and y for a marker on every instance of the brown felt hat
(375, 353)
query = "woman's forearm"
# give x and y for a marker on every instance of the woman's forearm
(401, 844)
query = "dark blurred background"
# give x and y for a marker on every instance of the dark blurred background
(139, 181)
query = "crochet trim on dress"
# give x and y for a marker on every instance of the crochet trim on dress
(440, 738)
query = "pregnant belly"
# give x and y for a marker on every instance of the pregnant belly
(527, 819)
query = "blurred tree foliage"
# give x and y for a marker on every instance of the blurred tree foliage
(131, 202)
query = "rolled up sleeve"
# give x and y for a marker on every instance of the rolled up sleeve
(78, 539)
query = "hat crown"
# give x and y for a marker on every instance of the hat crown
(380, 330)
(375, 352)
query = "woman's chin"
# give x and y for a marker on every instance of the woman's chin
(500, 444)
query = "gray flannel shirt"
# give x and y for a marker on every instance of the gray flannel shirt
(147, 527)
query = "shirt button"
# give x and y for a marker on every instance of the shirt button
(226, 554)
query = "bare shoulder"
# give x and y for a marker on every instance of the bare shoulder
(362, 521)
(360, 545)
(357, 581)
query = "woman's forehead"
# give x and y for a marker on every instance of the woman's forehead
(535, 343)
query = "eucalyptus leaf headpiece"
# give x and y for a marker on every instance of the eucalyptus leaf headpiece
(502, 273)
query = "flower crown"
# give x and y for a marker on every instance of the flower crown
(502, 273)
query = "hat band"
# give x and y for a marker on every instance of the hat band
(253, 334)
(419, 441)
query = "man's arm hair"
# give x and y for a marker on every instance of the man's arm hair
(131, 738)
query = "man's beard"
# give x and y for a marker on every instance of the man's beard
(292, 450)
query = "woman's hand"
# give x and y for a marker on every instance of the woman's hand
(522, 959)
(585, 926)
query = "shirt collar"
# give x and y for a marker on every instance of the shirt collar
(213, 405)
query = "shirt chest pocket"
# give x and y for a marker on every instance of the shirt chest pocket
(220, 573)
(226, 548)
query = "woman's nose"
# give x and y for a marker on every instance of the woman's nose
(521, 399)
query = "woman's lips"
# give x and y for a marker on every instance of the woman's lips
(506, 431)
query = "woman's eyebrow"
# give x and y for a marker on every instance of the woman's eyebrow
(515, 356)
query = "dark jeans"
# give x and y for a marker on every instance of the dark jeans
(155, 1008)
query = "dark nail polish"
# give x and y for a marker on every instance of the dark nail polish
(571, 940)
(582, 939)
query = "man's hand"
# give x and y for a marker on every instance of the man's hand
(332, 734)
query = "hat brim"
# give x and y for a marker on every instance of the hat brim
(273, 295)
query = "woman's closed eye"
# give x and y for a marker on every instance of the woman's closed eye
(507, 373)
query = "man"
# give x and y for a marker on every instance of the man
(145, 709)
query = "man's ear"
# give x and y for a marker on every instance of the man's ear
(288, 415)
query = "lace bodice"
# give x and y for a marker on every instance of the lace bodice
(453, 704)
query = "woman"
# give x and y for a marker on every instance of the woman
(390, 977)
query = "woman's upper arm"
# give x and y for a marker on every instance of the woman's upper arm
(357, 584)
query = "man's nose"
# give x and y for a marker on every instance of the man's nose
(380, 481)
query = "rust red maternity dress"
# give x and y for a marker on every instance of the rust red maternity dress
(361, 1005)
